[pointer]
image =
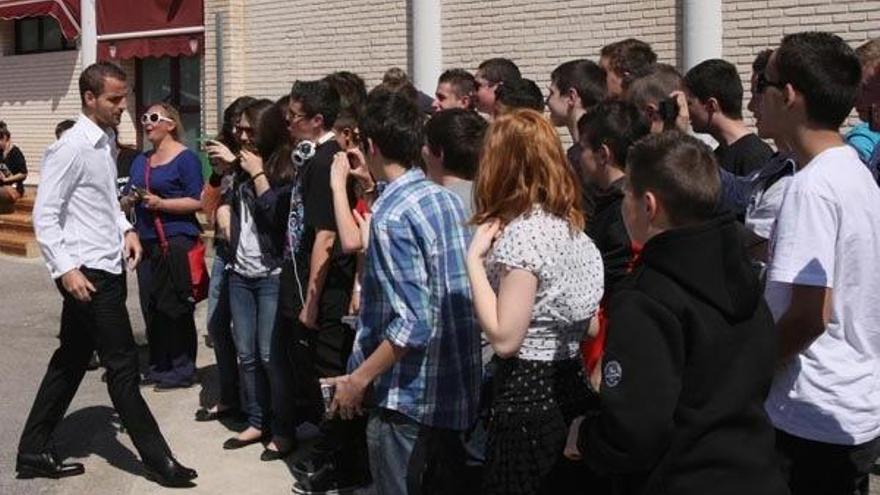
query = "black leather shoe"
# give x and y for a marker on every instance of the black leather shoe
(45, 465)
(168, 472)
(234, 443)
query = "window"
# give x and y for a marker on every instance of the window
(175, 80)
(39, 35)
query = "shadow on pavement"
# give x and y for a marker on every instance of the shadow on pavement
(95, 430)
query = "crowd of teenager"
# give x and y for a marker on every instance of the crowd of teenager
(462, 305)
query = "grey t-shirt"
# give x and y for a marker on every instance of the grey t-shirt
(464, 189)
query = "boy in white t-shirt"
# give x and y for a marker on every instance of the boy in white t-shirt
(823, 280)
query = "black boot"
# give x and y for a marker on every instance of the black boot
(45, 465)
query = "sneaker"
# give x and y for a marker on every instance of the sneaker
(334, 488)
(325, 479)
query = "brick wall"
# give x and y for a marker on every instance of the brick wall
(751, 26)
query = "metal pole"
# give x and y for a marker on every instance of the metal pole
(218, 42)
(427, 52)
(88, 41)
(702, 32)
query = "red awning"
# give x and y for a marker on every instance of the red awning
(150, 28)
(66, 12)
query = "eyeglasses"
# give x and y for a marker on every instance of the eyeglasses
(763, 83)
(242, 130)
(293, 117)
(154, 118)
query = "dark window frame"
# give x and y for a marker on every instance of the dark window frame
(66, 45)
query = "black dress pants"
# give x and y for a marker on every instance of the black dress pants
(816, 468)
(103, 325)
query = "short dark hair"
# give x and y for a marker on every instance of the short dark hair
(317, 97)
(350, 86)
(585, 76)
(63, 127)
(230, 117)
(655, 86)
(616, 124)
(458, 133)
(630, 58)
(759, 65)
(716, 78)
(520, 93)
(680, 170)
(463, 82)
(92, 78)
(499, 70)
(4, 133)
(394, 124)
(825, 70)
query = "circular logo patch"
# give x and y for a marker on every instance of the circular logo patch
(612, 374)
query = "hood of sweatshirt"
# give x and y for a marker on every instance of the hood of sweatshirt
(709, 261)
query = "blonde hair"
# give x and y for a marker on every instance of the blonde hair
(523, 164)
(178, 132)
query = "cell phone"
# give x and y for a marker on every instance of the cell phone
(140, 192)
(668, 110)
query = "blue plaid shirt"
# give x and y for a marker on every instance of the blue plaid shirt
(416, 295)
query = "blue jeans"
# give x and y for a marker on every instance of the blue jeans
(254, 302)
(407, 457)
(219, 327)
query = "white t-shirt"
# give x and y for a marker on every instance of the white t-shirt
(828, 235)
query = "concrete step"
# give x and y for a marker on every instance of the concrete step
(17, 222)
(18, 245)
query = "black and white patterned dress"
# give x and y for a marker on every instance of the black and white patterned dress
(538, 392)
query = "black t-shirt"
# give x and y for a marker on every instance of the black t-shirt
(589, 190)
(13, 163)
(745, 155)
(605, 227)
(319, 215)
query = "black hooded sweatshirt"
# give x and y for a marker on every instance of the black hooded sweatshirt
(690, 355)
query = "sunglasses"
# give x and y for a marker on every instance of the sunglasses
(154, 118)
(763, 83)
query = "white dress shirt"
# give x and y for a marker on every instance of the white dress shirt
(77, 218)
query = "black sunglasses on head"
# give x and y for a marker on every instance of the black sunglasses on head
(763, 83)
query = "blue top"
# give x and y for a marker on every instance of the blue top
(416, 295)
(179, 178)
(863, 139)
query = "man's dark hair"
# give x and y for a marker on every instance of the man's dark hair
(655, 86)
(92, 79)
(616, 124)
(458, 134)
(394, 124)
(716, 78)
(759, 65)
(825, 70)
(462, 82)
(4, 133)
(317, 97)
(585, 76)
(63, 127)
(680, 170)
(499, 70)
(630, 58)
(520, 93)
(350, 86)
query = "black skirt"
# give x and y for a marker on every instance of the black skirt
(533, 405)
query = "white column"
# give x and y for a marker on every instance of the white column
(702, 32)
(88, 41)
(427, 49)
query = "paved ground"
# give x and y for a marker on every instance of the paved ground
(90, 433)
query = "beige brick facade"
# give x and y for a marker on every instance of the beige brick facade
(267, 44)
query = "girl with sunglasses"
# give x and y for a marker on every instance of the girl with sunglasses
(164, 189)
(257, 205)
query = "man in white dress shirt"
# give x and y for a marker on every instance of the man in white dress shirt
(83, 236)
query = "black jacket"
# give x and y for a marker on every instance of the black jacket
(688, 362)
(270, 213)
(605, 227)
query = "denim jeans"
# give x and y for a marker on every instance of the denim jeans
(219, 327)
(407, 457)
(254, 303)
